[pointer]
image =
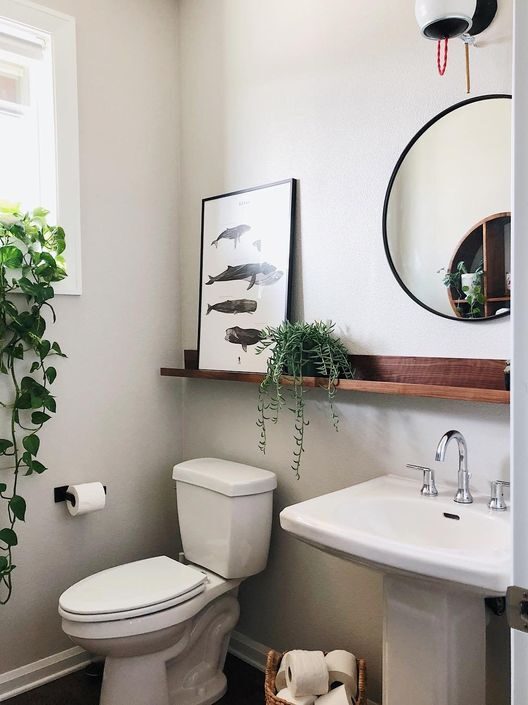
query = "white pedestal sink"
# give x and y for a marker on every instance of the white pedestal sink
(439, 559)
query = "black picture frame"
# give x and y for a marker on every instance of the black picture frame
(289, 225)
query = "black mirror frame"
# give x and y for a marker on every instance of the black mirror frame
(491, 96)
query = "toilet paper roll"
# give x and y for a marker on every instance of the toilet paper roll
(286, 694)
(337, 696)
(89, 497)
(280, 678)
(306, 672)
(342, 668)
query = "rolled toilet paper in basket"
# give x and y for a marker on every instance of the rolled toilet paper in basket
(280, 678)
(342, 668)
(306, 673)
(286, 694)
(89, 497)
(337, 696)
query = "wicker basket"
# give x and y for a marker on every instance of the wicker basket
(272, 666)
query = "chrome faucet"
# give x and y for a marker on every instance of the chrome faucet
(463, 494)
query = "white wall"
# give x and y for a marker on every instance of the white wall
(117, 420)
(330, 93)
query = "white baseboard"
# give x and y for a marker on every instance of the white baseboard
(252, 652)
(48, 669)
(43, 671)
(248, 650)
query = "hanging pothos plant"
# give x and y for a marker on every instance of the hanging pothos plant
(30, 262)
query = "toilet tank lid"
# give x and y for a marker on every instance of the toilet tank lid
(223, 476)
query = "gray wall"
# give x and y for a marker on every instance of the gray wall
(329, 93)
(117, 420)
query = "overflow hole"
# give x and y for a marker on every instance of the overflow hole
(451, 516)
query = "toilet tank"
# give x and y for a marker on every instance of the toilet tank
(225, 513)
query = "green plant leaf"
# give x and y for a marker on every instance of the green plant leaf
(3, 487)
(40, 212)
(51, 374)
(31, 443)
(44, 348)
(49, 404)
(5, 445)
(9, 537)
(5, 568)
(27, 459)
(11, 257)
(9, 307)
(36, 466)
(39, 417)
(34, 367)
(57, 240)
(23, 401)
(25, 285)
(28, 384)
(56, 347)
(17, 505)
(36, 401)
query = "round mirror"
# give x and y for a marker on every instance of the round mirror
(447, 213)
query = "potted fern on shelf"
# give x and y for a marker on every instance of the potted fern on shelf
(299, 350)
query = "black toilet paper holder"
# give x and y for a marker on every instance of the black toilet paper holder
(61, 494)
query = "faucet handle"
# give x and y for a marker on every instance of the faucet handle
(428, 487)
(497, 503)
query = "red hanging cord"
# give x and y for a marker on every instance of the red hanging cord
(442, 66)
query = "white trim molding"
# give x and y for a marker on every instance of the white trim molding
(58, 665)
(42, 671)
(248, 650)
(252, 652)
(519, 385)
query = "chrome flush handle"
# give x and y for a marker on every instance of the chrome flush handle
(428, 487)
(497, 502)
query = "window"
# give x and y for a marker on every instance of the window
(38, 120)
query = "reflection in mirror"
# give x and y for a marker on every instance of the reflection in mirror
(447, 212)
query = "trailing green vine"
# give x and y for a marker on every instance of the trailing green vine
(299, 350)
(30, 262)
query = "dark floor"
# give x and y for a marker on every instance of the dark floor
(245, 686)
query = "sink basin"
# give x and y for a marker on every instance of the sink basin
(387, 524)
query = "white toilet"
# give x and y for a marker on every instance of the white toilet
(164, 626)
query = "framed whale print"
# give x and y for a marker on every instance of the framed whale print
(245, 273)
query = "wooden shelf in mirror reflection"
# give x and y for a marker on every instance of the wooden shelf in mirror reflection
(488, 244)
(462, 379)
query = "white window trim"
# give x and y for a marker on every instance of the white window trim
(61, 29)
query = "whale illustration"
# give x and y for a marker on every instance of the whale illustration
(249, 272)
(232, 234)
(243, 336)
(235, 306)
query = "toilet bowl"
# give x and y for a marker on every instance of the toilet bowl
(164, 626)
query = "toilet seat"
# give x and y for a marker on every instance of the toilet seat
(113, 626)
(132, 590)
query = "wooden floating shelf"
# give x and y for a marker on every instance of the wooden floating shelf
(479, 380)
